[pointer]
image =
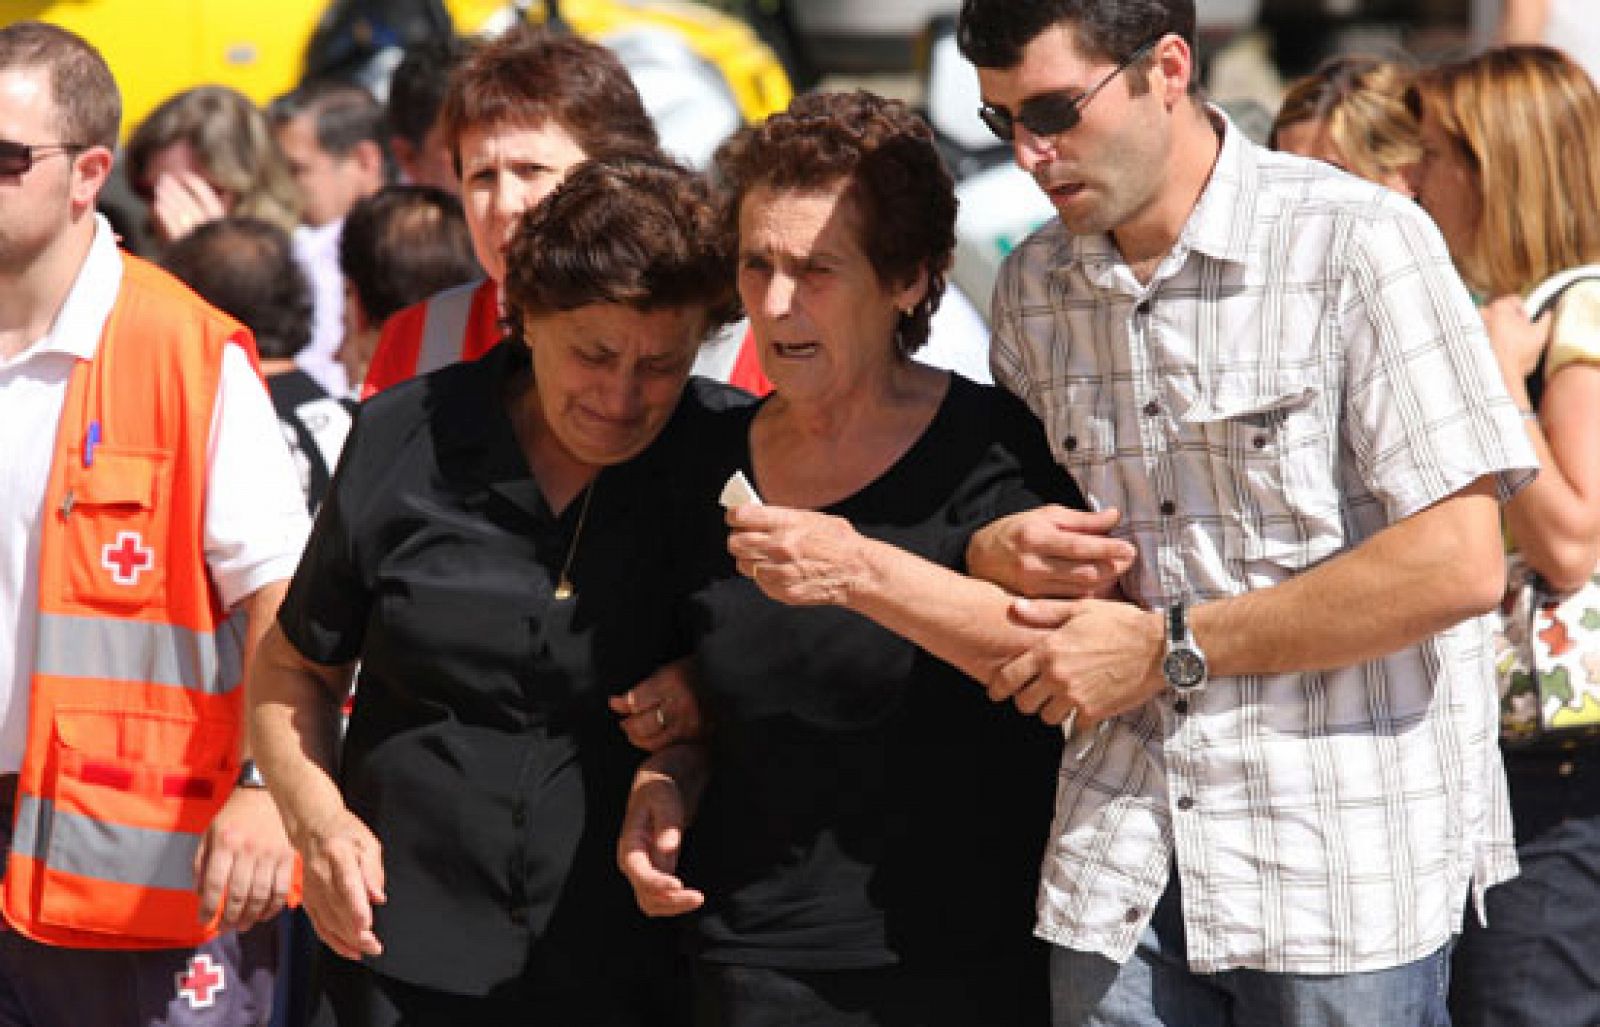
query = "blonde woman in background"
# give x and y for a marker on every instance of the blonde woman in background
(205, 153)
(1351, 113)
(1506, 173)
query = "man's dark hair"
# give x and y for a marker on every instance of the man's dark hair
(342, 115)
(416, 93)
(401, 245)
(81, 87)
(993, 33)
(245, 267)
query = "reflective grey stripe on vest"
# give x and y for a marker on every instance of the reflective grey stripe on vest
(74, 844)
(444, 325)
(130, 650)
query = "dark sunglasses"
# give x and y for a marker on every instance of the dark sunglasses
(19, 158)
(1050, 114)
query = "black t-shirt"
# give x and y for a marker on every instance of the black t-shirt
(868, 804)
(480, 750)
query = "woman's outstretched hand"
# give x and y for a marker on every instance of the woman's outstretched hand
(797, 557)
(652, 834)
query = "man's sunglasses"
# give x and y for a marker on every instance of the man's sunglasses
(1050, 114)
(19, 158)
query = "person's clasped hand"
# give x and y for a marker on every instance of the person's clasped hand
(344, 879)
(1055, 551)
(1103, 658)
(1517, 341)
(245, 864)
(661, 710)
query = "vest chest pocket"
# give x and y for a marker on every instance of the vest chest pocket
(117, 516)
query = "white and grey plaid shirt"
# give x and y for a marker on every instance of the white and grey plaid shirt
(1304, 368)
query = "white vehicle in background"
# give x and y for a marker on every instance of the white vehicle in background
(854, 35)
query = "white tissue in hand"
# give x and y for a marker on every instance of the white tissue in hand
(738, 492)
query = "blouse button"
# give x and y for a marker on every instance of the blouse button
(1168, 508)
(1186, 803)
(1070, 442)
(1260, 442)
(1152, 408)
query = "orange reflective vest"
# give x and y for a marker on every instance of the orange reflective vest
(462, 323)
(135, 705)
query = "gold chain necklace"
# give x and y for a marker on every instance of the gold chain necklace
(564, 589)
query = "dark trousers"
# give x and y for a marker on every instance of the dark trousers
(226, 982)
(1009, 991)
(351, 995)
(1538, 962)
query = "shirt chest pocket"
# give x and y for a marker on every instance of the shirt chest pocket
(1274, 471)
(118, 526)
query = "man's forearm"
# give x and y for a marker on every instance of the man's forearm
(1406, 583)
(261, 610)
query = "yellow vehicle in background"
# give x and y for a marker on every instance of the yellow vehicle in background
(160, 47)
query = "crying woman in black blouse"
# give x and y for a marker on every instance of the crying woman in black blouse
(862, 831)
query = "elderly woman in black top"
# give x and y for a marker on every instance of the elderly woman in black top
(866, 846)
(486, 553)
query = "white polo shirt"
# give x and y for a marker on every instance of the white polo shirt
(255, 520)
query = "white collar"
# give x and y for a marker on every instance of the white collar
(82, 318)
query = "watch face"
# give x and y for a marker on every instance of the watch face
(1183, 668)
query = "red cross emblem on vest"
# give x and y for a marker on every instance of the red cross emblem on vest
(201, 983)
(127, 557)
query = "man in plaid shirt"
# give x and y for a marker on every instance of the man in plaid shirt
(1283, 777)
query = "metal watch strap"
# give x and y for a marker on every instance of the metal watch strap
(249, 776)
(1177, 624)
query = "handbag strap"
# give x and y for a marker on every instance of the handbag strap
(1547, 293)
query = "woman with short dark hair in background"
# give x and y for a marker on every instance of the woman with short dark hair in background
(1511, 175)
(520, 112)
(490, 553)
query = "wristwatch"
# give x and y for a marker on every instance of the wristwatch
(1184, 665)
(249, 775)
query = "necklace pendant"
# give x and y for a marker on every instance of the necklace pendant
(564, 588)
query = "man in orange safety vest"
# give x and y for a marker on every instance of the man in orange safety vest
(149, 516)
